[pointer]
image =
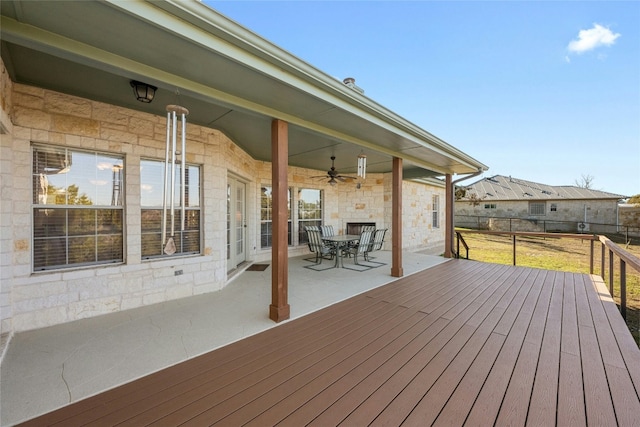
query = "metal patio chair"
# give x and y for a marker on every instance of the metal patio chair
(327, 230)
(321, 250)
(376, 244)
(361, 250)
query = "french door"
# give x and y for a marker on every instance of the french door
(236, 223)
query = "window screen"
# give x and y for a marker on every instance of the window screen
(77, 208)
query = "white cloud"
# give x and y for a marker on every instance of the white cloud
(592, 38)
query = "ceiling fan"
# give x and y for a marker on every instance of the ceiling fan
(333, 174)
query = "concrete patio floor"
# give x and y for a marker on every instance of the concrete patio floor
(51, 367)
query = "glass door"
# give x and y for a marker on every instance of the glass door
(236, 223)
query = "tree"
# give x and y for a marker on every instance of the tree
(634, 200)
(472, 198)
(585, 181)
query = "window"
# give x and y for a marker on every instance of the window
(489, 205)
(537, 208)
(436, 211)
(151, 202)
(266, 217)
(554, 207)
(309, 211)
(77, 208)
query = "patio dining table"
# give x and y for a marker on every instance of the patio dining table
(340, 243)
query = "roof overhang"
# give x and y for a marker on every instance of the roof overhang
(228, 77)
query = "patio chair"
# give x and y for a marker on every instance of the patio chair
(361, 249)
(307, 228)
(309, 243)
(327, 230)
(321, 250)
(376, 245)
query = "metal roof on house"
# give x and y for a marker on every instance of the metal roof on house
(499, 187)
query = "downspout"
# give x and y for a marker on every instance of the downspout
(451, 223)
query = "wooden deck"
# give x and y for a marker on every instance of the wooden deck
(462, 343)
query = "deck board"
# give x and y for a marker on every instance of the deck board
(544, 396)
(570, 388)
(595, 384)
(462, 343)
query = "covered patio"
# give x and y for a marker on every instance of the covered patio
(259, 119)
(48, 368)
(461, 343)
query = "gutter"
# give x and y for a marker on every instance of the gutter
(480, 171)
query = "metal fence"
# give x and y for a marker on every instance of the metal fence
(617, 233)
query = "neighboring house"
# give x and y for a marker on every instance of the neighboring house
(83, 161)
(536, 207)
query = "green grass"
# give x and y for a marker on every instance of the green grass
(562, 254)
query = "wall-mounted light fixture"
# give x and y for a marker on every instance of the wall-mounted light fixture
(144, 92)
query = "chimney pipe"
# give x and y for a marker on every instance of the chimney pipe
(351, 82)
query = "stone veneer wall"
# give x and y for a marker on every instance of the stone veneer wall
(417, 223)
(31, 300)
(370, 203)
(47, 298)
(6, 204)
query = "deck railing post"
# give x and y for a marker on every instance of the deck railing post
(602, 254)
(611, 272)
(514, 249)
(591, 255)
(623, 289)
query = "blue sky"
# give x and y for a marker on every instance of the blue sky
(543, 91)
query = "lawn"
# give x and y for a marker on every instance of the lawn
(562, 254)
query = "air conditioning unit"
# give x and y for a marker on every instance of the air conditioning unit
(583, 227)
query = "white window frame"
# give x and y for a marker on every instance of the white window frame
(77, 208)
(435, 215)
(301, 220)
(266, 216)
